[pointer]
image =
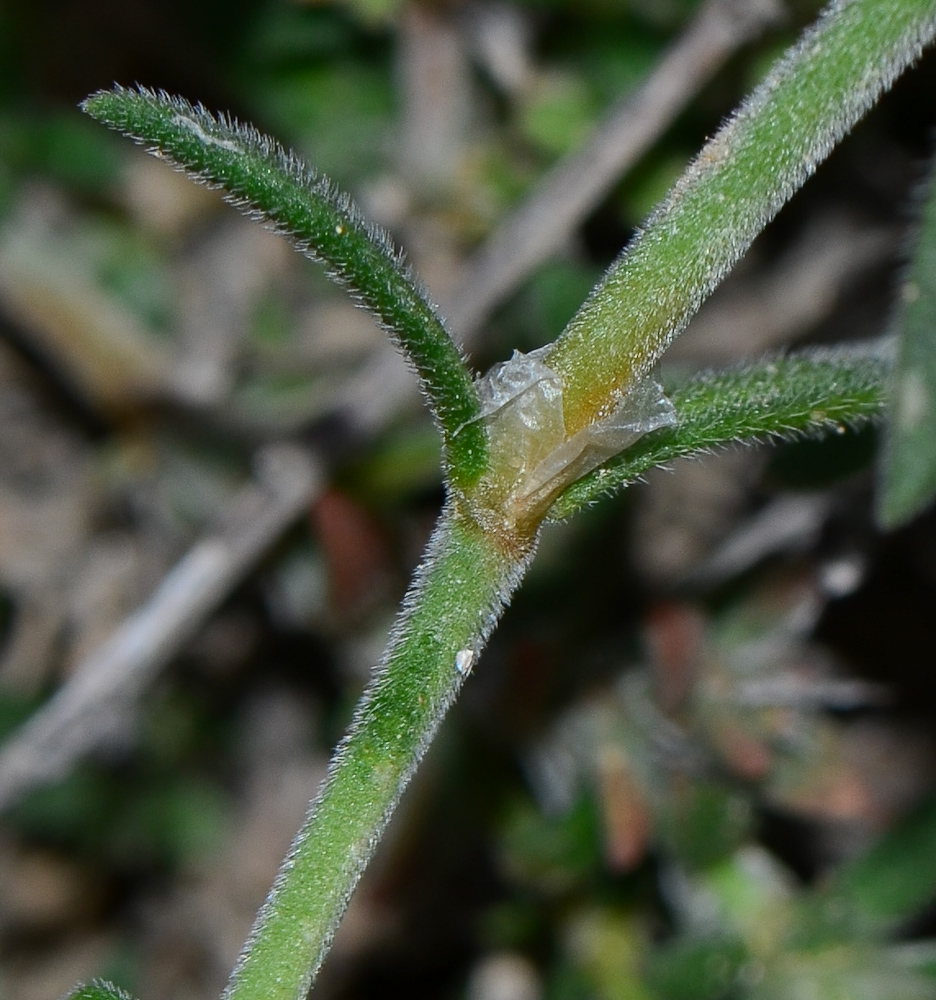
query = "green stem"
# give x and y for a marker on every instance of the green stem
(446, 618)
(260, 178)
(739, 181)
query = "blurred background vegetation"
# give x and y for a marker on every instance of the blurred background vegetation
(697, 760)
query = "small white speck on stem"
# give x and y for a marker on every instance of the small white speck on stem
(210, 140)
(464, 661)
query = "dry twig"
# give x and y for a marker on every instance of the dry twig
(92, 707)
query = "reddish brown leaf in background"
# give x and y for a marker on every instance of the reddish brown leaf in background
(674, 635)
(355, 552)
(624, 813)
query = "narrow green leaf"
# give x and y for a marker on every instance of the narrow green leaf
(809, 393)
(261, 179)
(739, 181)
(908, 468)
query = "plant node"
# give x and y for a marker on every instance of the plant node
(533, 457)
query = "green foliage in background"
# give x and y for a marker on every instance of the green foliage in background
(909, 459)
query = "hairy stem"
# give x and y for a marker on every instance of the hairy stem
(446, 618)
(265, 181)
(739, 181)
